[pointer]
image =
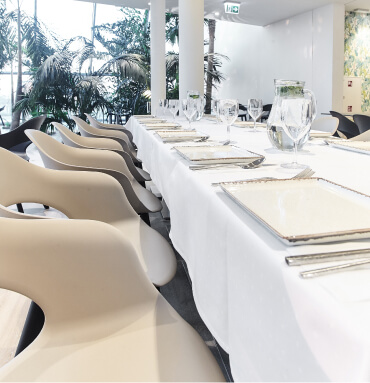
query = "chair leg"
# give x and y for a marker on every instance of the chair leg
(20, 208)
(32, 327)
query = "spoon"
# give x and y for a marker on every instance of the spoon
(250, 165)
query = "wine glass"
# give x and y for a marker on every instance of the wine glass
(199, 103)
(173, 107)
(189, 108)
(229, 110)
(148, 107)
(296, 118)
(216, 110)
(255, 108)
(162, 106)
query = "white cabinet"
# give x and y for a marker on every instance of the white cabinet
(352, 98)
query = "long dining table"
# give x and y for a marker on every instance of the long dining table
(275, 325)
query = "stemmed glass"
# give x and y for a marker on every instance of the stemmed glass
(296, 118)
(199, 102)
(216, 110)
(189, 107)
(255, 108)
(163, 106)
(173, 107)
(229, 110)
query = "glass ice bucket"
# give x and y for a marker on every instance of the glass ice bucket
(286, 89)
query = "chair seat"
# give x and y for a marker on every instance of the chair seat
(150, 343)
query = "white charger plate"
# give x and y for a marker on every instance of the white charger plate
(354, 146)
(304, 211)
(218, 154)
(162, 126)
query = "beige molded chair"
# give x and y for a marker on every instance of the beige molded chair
(86, 195)
(105, 322)
(87, 130)
(327, 124)
(74, 140)
(102, 125)
(57, 156)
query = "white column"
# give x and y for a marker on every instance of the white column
(157, 51)
(328, 57)
(191, 46)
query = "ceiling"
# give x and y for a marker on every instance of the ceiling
(254, 12)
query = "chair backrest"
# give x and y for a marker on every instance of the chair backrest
(57, 156)
(76, 141)
(84, 195)
(94, 287)
(325, 124)
(79, 195)
(101, 125)
(362, 121)
(85, 127)
(346, 126)
(17, 136)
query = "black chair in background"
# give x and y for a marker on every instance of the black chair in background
(266, 112)
(346, 126)
(2, 121)
(17, 142)
(243, 112)
(362, 122)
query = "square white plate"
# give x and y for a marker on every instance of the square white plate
(307, 210)
(162, 126)
(180, 135)
(354, 146)
(319, 134)
(249, 124)
(219, 154)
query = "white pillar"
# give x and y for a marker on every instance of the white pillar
(191, 46)
(157, 51)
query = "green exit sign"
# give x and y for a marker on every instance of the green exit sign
(232, 8)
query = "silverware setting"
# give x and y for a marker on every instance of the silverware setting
(333, 269)
(250, 165)
(307, 172)
(307, 259)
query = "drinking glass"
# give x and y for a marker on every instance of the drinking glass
(163, 106)
(173, 107)
(229, 110)
(216, 110)
(189, 108)
(296, 118)
(199, 102)
(148, 107)
(255, 108)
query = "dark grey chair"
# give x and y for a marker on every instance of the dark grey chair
(16, 141)
(362, 122)
(346, 126)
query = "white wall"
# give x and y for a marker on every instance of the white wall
(305, 47)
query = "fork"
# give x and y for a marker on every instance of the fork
(305, 173)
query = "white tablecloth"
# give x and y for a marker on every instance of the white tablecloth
(274, 325)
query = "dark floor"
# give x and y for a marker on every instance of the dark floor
(179, 294)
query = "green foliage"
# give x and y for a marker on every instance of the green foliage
(8, 44)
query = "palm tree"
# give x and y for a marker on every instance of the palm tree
(211, 51)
